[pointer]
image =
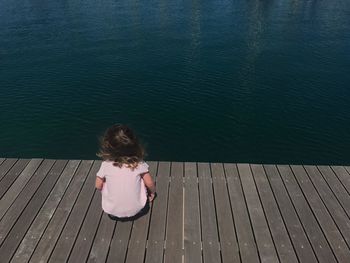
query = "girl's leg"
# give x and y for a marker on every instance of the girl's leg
(142, 212)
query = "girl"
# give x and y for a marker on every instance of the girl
(123, 178)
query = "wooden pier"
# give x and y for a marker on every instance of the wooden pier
(204, 212)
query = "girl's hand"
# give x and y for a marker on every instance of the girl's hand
(99, 183)
(151, 196)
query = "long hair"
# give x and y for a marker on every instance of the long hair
(120, 145)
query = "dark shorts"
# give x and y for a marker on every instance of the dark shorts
(142, 212)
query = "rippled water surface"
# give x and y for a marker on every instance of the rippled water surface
(232, 81)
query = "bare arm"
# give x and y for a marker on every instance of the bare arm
(99, 183)
(147, 179)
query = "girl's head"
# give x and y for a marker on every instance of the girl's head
(120, 145)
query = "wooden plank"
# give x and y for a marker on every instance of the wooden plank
(137, 243)
(248, 248)
(298, 237)
(227, 231)
(327, 199)
(24, 197)
(81, 249)
(16, 188)
(120, 241)
(347, 168)
(192, 227)
(174, 228)
(261, 230)
(312, 229)
(102, 240)
(343, 176)
(210, 238)
(19, 229)
(337, 187)
(329, 229)
(48, 240)
(278, 230)
(2, 160)
(69, 233)
(45, 214)
(12, 175)
(6, 166)
(156, 236)
(330, 201)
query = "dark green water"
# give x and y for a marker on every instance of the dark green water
(232, 81)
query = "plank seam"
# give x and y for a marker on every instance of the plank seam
(100, 217)
(341, 182)
(70, 212)
(28, 203)
(17, 174)
(200, 214)
(53, 215)
(312, 211)
(233, 217)
(127, 245)
(347, 170)
(249, 217)
(297, 214)
(93, 239)
(279, 210)
(348, 214)
(333, 192)
(20, 214)
(9, 169)
(81, 225)
(183, 212)
(110, 242)
(167, 211)
(262, 208)
(48, 223)
(215, 210)
(43, 203)
(151, 212)
(330, 214)
(23, 187)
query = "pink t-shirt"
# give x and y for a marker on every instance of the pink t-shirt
(124, 193)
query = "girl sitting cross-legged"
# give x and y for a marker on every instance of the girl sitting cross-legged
(124, 180)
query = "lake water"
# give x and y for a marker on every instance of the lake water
(229, 81)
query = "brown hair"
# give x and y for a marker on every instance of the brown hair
(120, 145)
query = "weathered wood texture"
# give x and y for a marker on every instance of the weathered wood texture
(51, 212)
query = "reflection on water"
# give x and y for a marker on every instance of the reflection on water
(253, 41)
(246, 80)
(195, 27)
